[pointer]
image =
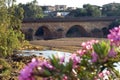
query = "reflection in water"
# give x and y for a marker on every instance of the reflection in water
(46, 53)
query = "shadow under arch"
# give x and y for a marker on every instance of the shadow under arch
(76, 31)
(43, 32)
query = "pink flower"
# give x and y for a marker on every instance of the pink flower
(112, 53)
(62, 59)
(94, 57)
(26, 73)
(65, 77)
(101, 75)
(88, 45)
(75, 59)
(114, 36)
(46, 64)
(81, 52)
(107, 72)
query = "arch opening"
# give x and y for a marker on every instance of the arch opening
(76, 31)
(39, 32)
(105, 31)
(43, 33)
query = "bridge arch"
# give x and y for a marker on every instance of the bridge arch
(43, 32)
(76, 31)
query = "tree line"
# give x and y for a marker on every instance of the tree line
(33, 10)
(111, 9)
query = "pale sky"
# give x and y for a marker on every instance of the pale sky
(70, 3)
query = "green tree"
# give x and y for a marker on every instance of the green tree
(92, 10)
(87, 10)
(114, 24)
(10, 21)
(32, 10)
(77, 13)
(111, 9)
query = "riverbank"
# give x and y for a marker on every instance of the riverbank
(62, 44)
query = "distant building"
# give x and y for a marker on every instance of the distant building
(71, 8)
(59, 13)
(64, 13)
(60, 7)
(57, 10)
(48, 9)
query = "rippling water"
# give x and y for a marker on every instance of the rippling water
(45, 53)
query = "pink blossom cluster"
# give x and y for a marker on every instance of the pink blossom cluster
(26, 72)
(94, 57)
(75, 59)
(86, 46)
(114, 36)
(112, 53)
(103, 75)
(45, 64)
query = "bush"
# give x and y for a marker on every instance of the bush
(5, 68)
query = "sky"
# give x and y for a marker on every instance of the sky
(70, 3)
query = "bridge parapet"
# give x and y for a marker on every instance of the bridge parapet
(79, 19)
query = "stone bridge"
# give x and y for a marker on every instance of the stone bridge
(50, 28)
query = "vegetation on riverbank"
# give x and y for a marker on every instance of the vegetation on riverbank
(17, 63)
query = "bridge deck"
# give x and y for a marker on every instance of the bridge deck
(80, 19)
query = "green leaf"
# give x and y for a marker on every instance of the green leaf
(101, 49)
(97, 48)
(68, 66)
(55, 62)
(47, 73)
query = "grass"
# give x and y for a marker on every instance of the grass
(62, 44)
